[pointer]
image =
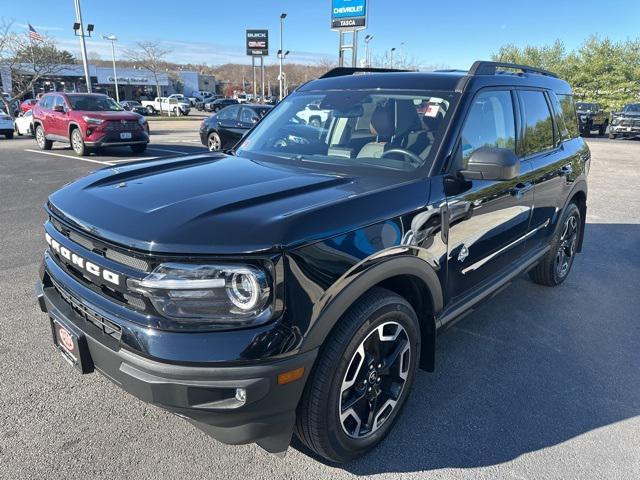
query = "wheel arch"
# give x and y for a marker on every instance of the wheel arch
(72, 127)
(408, 276)
(579, 196)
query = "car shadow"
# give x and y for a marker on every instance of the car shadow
(530, 369)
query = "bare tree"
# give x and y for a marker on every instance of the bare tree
(25, 62)
(150, 56)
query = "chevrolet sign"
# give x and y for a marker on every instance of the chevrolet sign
(348, 14)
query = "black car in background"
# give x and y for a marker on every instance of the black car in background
(217, 104)
(226, 128)
(592, 117)
(626, 122)
(134, 106)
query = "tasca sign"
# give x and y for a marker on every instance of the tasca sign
(257, 42)
(349, 14)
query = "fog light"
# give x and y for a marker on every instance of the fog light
(241, 395)
(89, 132)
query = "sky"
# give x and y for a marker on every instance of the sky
(433, 33)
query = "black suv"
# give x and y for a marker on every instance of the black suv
(592, 116)
(626, 122)
(298, 281)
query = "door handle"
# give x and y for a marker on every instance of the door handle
(444, 223)
(521, 189)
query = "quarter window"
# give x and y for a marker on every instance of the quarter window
(490, 123)
(569, 114)
(538, 134)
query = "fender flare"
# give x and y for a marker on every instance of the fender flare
(335, 306)
(580, 186)
(71, 126)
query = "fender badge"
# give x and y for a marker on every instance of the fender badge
(464, 253)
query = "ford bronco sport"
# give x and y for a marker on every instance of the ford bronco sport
(87, 121)
(297, 281)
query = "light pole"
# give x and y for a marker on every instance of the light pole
(113, 39)
(281, 51)
(79, 26)
(367, 52)
(392, 50)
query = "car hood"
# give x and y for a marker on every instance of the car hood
(117, 116)
(218, 204)
(627, 114)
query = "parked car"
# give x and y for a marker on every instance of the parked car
(626, 122)
(24, 123)
(200, 102)
(314, 115)
(166, 105)
(241, 97)
(28, 105)
(134, 106)
(226, 128)
(87, 121)
(6, 124)
(592, 117)
(218, 104)
(297, 282)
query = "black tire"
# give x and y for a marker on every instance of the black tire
(9, 135)
(319, 425)
(41, 139)
(151, 110)
(603, 129)
(77, 143)
(612, 136)
(551, 271)
(17, 130)
(586, 132)
(139, 148)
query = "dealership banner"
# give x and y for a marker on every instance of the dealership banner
(348, 14)
(258, 43)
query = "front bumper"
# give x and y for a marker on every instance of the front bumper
(112, 139)
(204, 394)
(625, 129)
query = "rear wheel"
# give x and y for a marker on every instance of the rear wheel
(9, 135)
(77, 143)
(214, 142)
(555, 266)
(139, 148)
(603, 129)
(151, 110)
(41, 139)
(361, 379)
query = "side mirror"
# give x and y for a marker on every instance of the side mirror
(490, 163)
(59, 108)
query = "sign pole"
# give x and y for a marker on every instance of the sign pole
(253, 70)
(261, 79)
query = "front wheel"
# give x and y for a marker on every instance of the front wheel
(9, 135)
(362, 378)
(150, 110)
(555, 266)
(612, 136)
(77, 143)
(214, 142)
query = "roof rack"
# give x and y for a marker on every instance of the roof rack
(449, 70)
(344, 71)
(490, 68)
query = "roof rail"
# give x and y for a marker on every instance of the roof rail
(490, 68)
(344, 71)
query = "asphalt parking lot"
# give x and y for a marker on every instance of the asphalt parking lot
(537, 383)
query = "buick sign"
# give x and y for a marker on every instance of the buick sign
(257, 42)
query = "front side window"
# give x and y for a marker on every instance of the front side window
(490, 123)
(248, 116)
(393, 130)
(538, 134)
(87, 103)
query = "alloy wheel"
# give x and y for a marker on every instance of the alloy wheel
(40, 137)
(214, 142)
(374, 380)
(567, 247)
(76, 141)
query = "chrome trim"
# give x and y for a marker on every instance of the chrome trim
(490, 257)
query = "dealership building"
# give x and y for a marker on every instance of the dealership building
(133, 83)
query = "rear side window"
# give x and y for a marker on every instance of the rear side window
(47, 102)
(538, 124)
(490, 123)
(569, 113)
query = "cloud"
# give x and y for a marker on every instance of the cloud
(188, 52)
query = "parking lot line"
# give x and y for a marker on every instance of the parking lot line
(134, 159)
(68, 156)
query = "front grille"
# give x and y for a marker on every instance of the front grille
(117, 126)
(106, 326)
(630, 123)
(93, 246)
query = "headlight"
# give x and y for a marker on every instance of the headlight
(94, 121)
(615, 121)
(221, 293)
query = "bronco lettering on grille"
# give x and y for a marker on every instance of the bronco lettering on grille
(82, 263)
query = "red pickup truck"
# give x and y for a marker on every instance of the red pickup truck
(87, 121)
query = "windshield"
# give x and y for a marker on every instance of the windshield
(394, 130)
(632, 108)
(585, 106)
(86, 103)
